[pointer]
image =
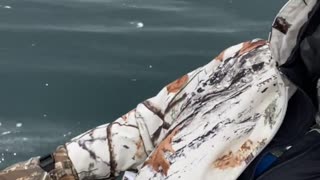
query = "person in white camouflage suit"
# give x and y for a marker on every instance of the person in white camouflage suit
(209, 124)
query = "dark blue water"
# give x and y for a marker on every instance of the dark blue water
(69, 65)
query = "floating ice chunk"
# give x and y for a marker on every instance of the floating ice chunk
(150, 66)
(7, 150)
(69, 133)
(14, 154)
(134, 80)
(19, 125)
(137, 24)
(5, 133)
(33, 44)
(0, 124)
(140, 25)
(46, 84)
(45, 115)
(7, 7)
(24, 139)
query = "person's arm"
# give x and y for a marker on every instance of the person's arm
(105, 151)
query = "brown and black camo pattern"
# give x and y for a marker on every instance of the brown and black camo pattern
(30, 170)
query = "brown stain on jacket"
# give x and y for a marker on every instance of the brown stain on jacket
(249, 46)
(220, 56)
(246, 47)
(232, 160)
(157, 160)
(178, 84)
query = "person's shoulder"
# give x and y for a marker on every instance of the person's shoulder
(242, 49)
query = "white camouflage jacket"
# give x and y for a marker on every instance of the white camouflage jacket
(209, 124)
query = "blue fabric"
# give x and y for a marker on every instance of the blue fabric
(264, 164)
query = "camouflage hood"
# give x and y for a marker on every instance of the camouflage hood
(295, 43)
(287, 26)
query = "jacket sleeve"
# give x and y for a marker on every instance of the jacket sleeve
(105, 151)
